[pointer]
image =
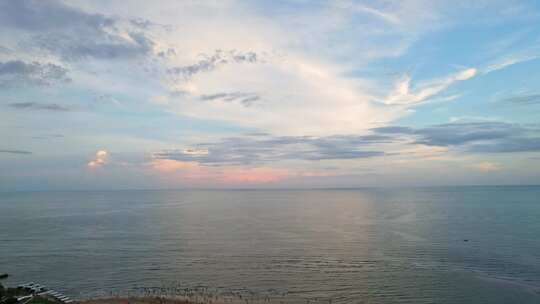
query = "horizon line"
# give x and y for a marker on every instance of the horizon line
(268, 189)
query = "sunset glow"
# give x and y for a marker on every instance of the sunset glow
(268, 94)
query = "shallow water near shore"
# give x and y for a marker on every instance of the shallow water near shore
(417, 245)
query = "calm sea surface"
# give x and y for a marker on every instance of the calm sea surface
(350, 246)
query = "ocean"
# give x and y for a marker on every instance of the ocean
(399, 245)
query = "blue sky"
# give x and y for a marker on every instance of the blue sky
(257, 94)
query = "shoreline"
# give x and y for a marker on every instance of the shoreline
(140, 300)
(196, 299)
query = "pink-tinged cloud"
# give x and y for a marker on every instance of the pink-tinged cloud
(486, 167)
(181, 169)
(230, 175)
(100, 159)
(253, 175)
(169, 165)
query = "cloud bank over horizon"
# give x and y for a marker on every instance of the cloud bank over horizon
(232, 93)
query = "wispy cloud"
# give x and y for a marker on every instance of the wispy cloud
(265, 149)
(402, 144)
(39, 106)
(70, 48)
(15, 151)
(106, 101)
(476, 137)
(404, 94)
(48, 136)
(17, 73)
(245, 98)
(510, 60)
(269, 57)
(359, 8)
(522, 99)
(211, 62)
(72, 33)
(47, 15)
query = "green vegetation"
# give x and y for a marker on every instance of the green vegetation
(10, 300)
(14, 292)
(9, 295)
(2, 289)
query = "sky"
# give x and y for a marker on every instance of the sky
(268, 94)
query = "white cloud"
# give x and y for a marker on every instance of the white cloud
(359, 8)
(100, 159)
(196, 152)
(472, 118)
(509, 61)
(404, 94)
(297, 97)
(329, 102)
(303, 84)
